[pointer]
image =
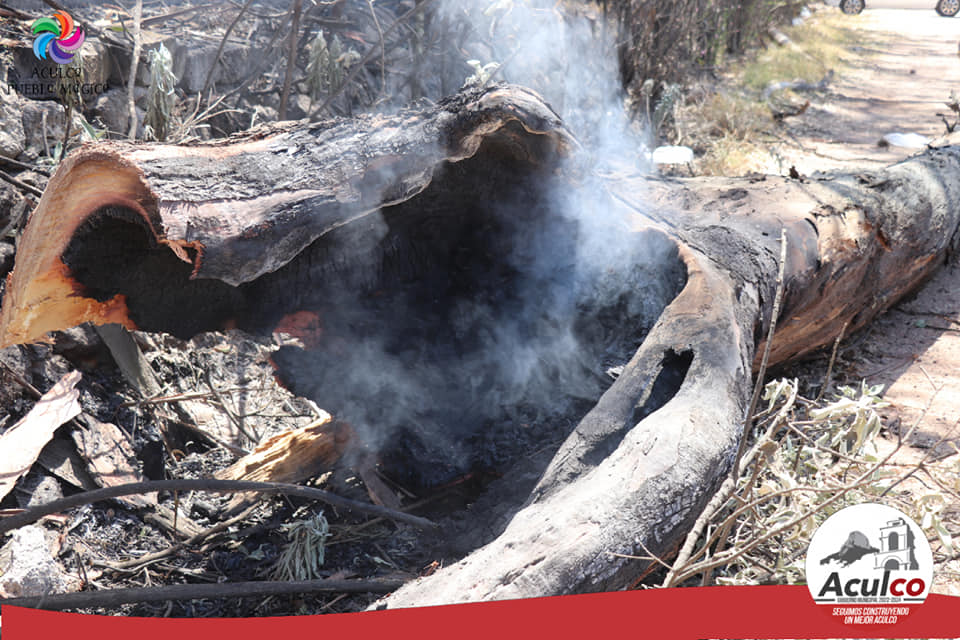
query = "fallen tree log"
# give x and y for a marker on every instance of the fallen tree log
(173, 238)
(459, 206)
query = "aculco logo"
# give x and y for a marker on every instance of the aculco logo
(869, 554)
(873, 587)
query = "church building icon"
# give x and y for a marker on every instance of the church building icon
(897, 546)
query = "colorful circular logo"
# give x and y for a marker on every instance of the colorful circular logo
(871, 563)
(57, 38)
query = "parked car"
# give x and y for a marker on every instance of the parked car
(946, 8)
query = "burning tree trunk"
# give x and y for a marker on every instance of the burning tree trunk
(519, 283)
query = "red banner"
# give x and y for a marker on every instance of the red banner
(713, 612)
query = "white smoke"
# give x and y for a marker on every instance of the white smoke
(564, 51)
(515, 334)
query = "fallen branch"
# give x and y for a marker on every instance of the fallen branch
(115, 597)
(24, 166)
(6, 177)
(166, 16)
(217, 486)
(180, 397)
(134, 63)
(223, 43)
(13, 13)
(798, 85)
(149, 558)
(239, 233)
(291, 60)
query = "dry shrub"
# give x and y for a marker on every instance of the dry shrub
(667, 39)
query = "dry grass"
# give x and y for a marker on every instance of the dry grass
(818, 45)
(730, 125)
(724, 129)
(809, 459)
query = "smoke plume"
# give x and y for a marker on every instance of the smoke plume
(495, 322)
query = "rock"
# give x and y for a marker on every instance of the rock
(45, 367)
(96, 64)
(112, 110)
(264, 113)
(12, 137)
(7, 251)
(13, 205)
(13, 398)
(37, 489)
(191, 63)
(43, 123)
(33, 179)
(82, 346)
(28, 567)
(298, 106)
(15, 358)
(228, 122)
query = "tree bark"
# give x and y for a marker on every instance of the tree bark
(180, 239)
(855, 245)
(184, 239)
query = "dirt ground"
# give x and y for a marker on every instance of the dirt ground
(898, 80)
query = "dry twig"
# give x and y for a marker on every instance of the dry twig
(223, 43)
(691, 568)
(291, 60)
(218, 486)
(383, 50)
(833, 359)
(21, 165)
(114, 597)
(762, 372)
(141, 561)
(134, 64)
(6, 177)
